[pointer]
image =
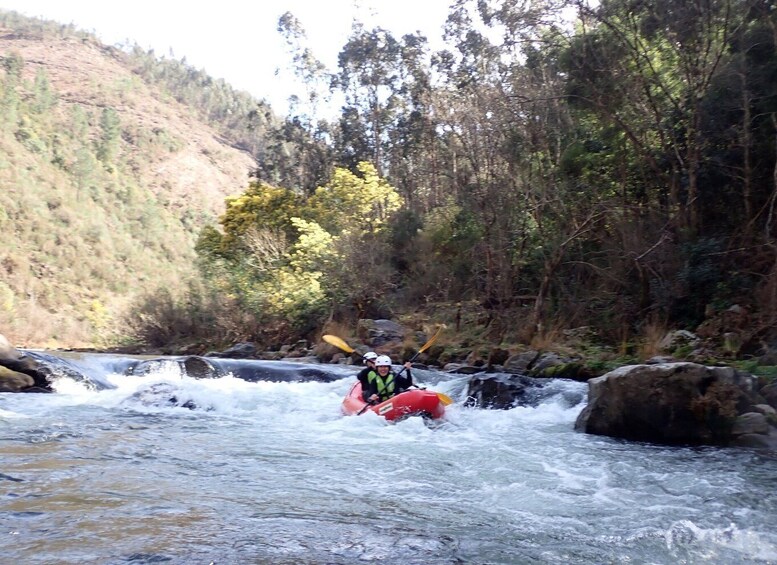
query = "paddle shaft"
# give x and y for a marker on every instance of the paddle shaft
(424, 347)
(363, 410)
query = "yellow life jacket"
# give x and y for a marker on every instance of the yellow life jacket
(385, 385)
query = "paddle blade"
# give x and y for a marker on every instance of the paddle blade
(444, 398)
(431, 341)
(337, 342)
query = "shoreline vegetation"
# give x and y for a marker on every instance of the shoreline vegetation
(463, 346)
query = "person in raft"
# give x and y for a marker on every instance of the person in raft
(369, 360)
(383, 383)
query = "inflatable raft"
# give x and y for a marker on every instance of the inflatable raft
(413, 402)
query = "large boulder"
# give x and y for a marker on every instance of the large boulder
(520, 363)
(380, 333)
(669, 403)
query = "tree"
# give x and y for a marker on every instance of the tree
(12, 64)
(110, 135)
(44, 97)
(647, 67)
(359, 204)
(261, 206)
(369, 80)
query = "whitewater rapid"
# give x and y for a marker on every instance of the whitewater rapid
(271, 472)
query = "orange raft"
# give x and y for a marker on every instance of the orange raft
(413, 402)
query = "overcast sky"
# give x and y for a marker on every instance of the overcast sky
(237, 40)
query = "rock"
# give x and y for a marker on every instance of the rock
(765, 409)
(161, 395)
(310, 360)
(497, 357)
(500, 391)
(750, 423)
(7, 351)
(769, 392)
(199, 368)
(380, 332)
(239, 351)
(547, 360)
(462, 369)
(475, 359)
(12, 381)
(769, 413)
(572, 370)
(678, 338)
(658, 359)
(271, 355)
(15, 360)
(732, 342)
(757, 441)
(671, 403)
(339, 359)
(520, 362)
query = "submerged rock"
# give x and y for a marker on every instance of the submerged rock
(502, 391)
(163, 395)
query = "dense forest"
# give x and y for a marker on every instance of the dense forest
(559, 164)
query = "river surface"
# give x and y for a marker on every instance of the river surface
(271, 473)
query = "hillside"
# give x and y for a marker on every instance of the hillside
(105, 181)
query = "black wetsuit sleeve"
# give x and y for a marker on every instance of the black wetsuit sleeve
(368, 389)
(405, 380)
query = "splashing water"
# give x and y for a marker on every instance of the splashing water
(163, 468)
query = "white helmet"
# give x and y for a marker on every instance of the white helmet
(383, 361)
(370, 356)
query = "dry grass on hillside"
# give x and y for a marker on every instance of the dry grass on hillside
(83, 238)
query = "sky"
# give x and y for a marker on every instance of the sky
(237, 40)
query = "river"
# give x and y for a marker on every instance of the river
(271, 473)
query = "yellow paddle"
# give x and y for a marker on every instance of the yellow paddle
(340, 344)
(337, 342)
(444, 398)
(424, 347)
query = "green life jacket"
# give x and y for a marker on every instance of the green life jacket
(385, 385)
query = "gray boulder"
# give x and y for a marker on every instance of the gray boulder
(502, 391)
(380, 332)
(670, 403)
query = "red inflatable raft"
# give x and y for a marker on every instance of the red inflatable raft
(413, 402)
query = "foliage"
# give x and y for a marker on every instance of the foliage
(617, 173)
(260, 205)
(287, 259)
(350, 202)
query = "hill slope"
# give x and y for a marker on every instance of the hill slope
(105, 181)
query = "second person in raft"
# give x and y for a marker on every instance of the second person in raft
(383, 383)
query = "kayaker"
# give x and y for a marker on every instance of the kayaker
(369, 360)
(383, 382)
